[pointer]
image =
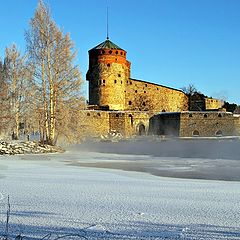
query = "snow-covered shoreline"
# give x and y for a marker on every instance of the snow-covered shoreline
(49, 195)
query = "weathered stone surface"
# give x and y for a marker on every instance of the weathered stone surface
(195, 124)
(144, 96)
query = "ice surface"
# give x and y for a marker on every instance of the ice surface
(54, 194)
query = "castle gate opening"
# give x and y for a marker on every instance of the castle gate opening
(141, 130)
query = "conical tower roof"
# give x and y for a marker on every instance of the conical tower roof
(107, 45)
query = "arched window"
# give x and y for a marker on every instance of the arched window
(115, 81)
(116, 52)
(219, 115)
(110, 52)
(205, 115)
(195, 133)
(130, 103)
(88, 114)
(219, 133)
(108, 65)
(131, 119)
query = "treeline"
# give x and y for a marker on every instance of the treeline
(41, 89)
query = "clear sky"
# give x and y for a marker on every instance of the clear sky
(169, 42)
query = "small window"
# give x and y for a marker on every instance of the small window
(127, 82)
(129, 115)
(163, 110)
(88, 114)
(116, 52)
(219, 133)
(219, 115)
(144, 91)
(130, 83)
(108, 65)
(117, 115)
(157, 88)
(135, 91)
(130, 103)
(190, 115)
(205, 115)
(104, 81)
(119, 75)
(195, 133)
(144, 104)
(115, 59)
(115, 81)
(99, 114)
(103, 51)
(121, 53)
(110, 52)
(145, 85)
(124, 54)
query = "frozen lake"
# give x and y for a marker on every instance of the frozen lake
(110, 191)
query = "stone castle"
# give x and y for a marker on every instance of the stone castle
(127, 106)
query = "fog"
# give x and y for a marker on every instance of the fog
(195, 159)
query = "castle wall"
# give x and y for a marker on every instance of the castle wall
(144, 96)
(189, 124)
(237, 124)
(206, 124)
(212, 103)
(95, 123)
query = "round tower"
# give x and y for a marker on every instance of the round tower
(108, 73)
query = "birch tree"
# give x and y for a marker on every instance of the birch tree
(4, 104)
(17, 76)
(57, 79)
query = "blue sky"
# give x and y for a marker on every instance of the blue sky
(169, 42)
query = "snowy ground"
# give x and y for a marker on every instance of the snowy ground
(86, 192)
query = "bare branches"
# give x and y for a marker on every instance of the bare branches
(57, 79)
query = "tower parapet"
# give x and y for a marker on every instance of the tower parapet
(108, 73)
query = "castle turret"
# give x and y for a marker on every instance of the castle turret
(108, 73)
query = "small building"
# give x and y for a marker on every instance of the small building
(199, 102)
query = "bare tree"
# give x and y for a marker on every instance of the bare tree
(4, 103)
(57, 79)
(190, 90)
(17, 76)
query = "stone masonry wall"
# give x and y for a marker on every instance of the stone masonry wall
(237, 124)
(108, 73)
(206, 124)
(94, 123)
(146, 96)
(212, 103)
